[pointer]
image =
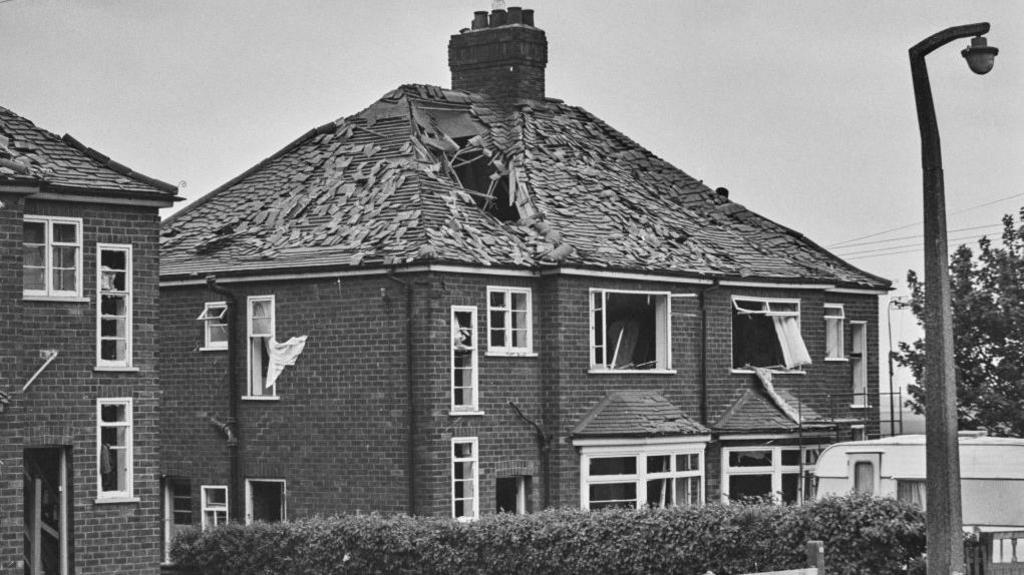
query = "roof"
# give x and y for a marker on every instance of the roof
(755, 410)
(636, 414)
(382, 188)
(30, 153)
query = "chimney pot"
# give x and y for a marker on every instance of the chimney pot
(723, 192)
(498, 18)
(515, 15)
(528, 17)
(479, 20)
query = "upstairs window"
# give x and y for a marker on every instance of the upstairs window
(766, 333)
(464, 359)
(215, 325)
(114, 307)
(509, 329)
(259, 332)
(859, 363)
(114, 448)
(834, 317)
(629, 330)
(52, 251)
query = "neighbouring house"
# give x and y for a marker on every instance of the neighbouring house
(506, 305)
(79, 261)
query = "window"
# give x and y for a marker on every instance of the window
(766, 333)
(114, 306)
(629, 330)
(512, 494)
(864, 477)
(259, 331)
(859, 363)
(465, 479)
(912, 491)
(657, 476)
(177, 510)
(834, 316)
(264, 500)
(509, 318)
(114, 448)
(858, 432)
(763, 471)
(214, 505)
(215, 325)
(52, 249)
(464, 359)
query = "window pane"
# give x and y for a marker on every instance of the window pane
(659, 493)
(750, 458)
(790, 485)
(519, 338)
(613, 466)
(216, 496)
(519, 320)
(864, 477)
(218, 332)
(749, 486)
(114, 259)
(34, 278)
(35, 232)
(497, 299)
(65, 233)
(65, 280)
(791, 457)
(613, 495)
(113, 305)
(463, 450)
(267, 500)
(688, 490)
(519, 302)
(112, 413)
(113, 349)
(35, 256)
(65, 257)
(260, 327)
(659, 464)
(688, 462)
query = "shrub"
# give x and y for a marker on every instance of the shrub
(861, 535)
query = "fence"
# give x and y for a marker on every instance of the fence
(996, 553)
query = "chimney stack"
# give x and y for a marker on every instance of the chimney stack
(502, 55)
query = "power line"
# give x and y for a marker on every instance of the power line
(899, 250)
(918, 236)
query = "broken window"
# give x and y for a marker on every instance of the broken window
(766, 333)
(465, 479)
(114, 309)
(52, 252)
(114, 448)
(773, 472)
(214, 503)
(655, 477)
(859, 362)
(215, 325)
(260, 330)
(464, 358)
(512, 494)
(508, 321)
(834, 316)
(265, 500)
(177, 510)
(629, 330)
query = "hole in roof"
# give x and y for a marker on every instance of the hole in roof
(489, 189)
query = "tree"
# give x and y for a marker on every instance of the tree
(988, 334)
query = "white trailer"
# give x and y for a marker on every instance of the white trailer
(991, 475)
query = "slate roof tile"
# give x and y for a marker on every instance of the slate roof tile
(753, 411)
(636, 414)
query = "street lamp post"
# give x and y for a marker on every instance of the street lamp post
(943, 514)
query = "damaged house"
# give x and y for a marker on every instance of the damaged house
(79, 258)
(507, 305)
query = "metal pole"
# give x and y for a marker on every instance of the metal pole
(943, 514)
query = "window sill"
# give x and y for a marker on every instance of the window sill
(631, 371)
(456, 413)
(115, 368)
(213, 349)
(105, 500)
(510, 354)
(838, 359)
(261, 398)
(773, 371)
(859, 406)
(55, 299)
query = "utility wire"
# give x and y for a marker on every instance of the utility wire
(993, 227)
(901, 251)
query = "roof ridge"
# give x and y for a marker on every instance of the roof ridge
(120, 168)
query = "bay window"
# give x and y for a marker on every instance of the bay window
(638, 476)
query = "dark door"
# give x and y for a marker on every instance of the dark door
(46, 511)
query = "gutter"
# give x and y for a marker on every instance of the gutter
(231, 427)
(410, 460)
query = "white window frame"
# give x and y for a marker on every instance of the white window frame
(472, 407)
(663, 332)
(128, 493)
(776, 469)
(209, 320)
(859, 384)
(508, 348)
(772, 307)
(248, 497)
(475, 460)
(128, 294)
(264, 392)
(205, 506)
(835, 318)
(671, 447)
(169, 521)
(875, 459)
(48, 292)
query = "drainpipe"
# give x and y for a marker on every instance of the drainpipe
(544, 443)
(704, 351)
(231, 428)
(410, 461)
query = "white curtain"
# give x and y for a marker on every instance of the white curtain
(787, 329)
(283, 354)
(911, 492)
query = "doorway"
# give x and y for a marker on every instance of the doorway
(47, 513)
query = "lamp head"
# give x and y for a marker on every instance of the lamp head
(979, 55)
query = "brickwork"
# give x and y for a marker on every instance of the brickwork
(59, 409)
(506, 63)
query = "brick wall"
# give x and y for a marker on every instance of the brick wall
(506, 63)
(59, 409)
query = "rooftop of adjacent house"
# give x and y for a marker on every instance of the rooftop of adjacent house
(29, 153)
(636, 414)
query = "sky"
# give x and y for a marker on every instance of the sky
(803, 109)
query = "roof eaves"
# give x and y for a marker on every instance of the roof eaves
(105, 161)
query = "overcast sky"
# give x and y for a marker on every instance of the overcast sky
(803, 109)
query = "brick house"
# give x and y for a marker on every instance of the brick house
(79, 259)
(508, 305)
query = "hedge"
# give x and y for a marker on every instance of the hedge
(861, 534)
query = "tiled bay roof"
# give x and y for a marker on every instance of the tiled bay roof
(28, 152)
(379, 189)
(754, 411)
(636, 414)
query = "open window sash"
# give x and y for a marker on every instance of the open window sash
(794, 351)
